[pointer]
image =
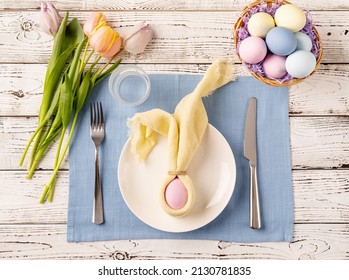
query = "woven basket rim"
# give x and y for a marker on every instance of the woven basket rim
(265, 80)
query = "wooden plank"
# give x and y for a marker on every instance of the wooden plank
(145, 5)
(181, 37)
(325, 93)
(48, 242)
(316, 142)
(320, 197)
(19, 198)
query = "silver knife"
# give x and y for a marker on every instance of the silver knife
(250, 152)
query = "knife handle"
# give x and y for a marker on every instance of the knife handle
(255, 213)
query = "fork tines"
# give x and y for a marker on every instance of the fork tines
(96, 115)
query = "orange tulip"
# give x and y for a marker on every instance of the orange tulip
(95, 21)
(106, 41)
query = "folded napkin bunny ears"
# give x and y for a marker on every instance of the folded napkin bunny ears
(184, 130)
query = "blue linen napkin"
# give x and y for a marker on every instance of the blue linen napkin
(226, 110)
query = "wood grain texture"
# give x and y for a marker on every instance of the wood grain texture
(189, 36)
(316, 142)
(19, 198)
(308, 138)
(48, 242)
(325, 93)
(181, 37)
(161, 5)
(320, 197)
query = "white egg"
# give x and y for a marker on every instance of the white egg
(300, 64)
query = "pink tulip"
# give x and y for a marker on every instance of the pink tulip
(106, 41)
(114, 49)
(95, 21)
(137, 38)
(49, 18)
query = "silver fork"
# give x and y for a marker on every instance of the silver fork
(97, 135)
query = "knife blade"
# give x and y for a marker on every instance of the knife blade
(250, 152)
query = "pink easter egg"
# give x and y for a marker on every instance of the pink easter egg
(274, 66)
(176, 195)
(252, 50)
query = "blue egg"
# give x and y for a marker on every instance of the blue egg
(303, 41)
(281, 41)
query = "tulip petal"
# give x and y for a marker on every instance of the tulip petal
(130, 31)
(53, 11)
(98, 40)
(96, 19)
(137, 43)
(50, 19)
(114, 49)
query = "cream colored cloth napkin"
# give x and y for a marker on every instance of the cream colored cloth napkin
(184, 130)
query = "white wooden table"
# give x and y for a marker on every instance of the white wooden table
(190, 35)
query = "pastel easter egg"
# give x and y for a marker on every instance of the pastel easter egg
(259, 24)
(300, 64)
(281, 41)
(274, 66)
(303, 41)
(252, 50)
(291, 17)
(176, 194)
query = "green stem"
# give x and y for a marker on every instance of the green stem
(35, 162)
(84, 54)
(105, 66)
(51, 183)
(83, 65)
(35, 146)
(44, 194)
(94, 63)
(59, 146)
(89, 56)
(48, 138)
(30, 141)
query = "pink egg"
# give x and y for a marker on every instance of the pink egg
(176, 195)
(252, 50)
(274, 66)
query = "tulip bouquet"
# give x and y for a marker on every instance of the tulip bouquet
(70, 78)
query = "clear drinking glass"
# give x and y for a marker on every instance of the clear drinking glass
(129, 85)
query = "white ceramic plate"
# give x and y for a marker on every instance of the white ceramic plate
(212, 170)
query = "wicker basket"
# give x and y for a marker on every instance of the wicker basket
(240, 23)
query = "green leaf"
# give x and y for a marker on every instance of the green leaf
(83, 91)
(74, 34)
(66, 40)
(53, 82)
(74, 72)
(57, 46)
(50, 138)
(66, 101)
